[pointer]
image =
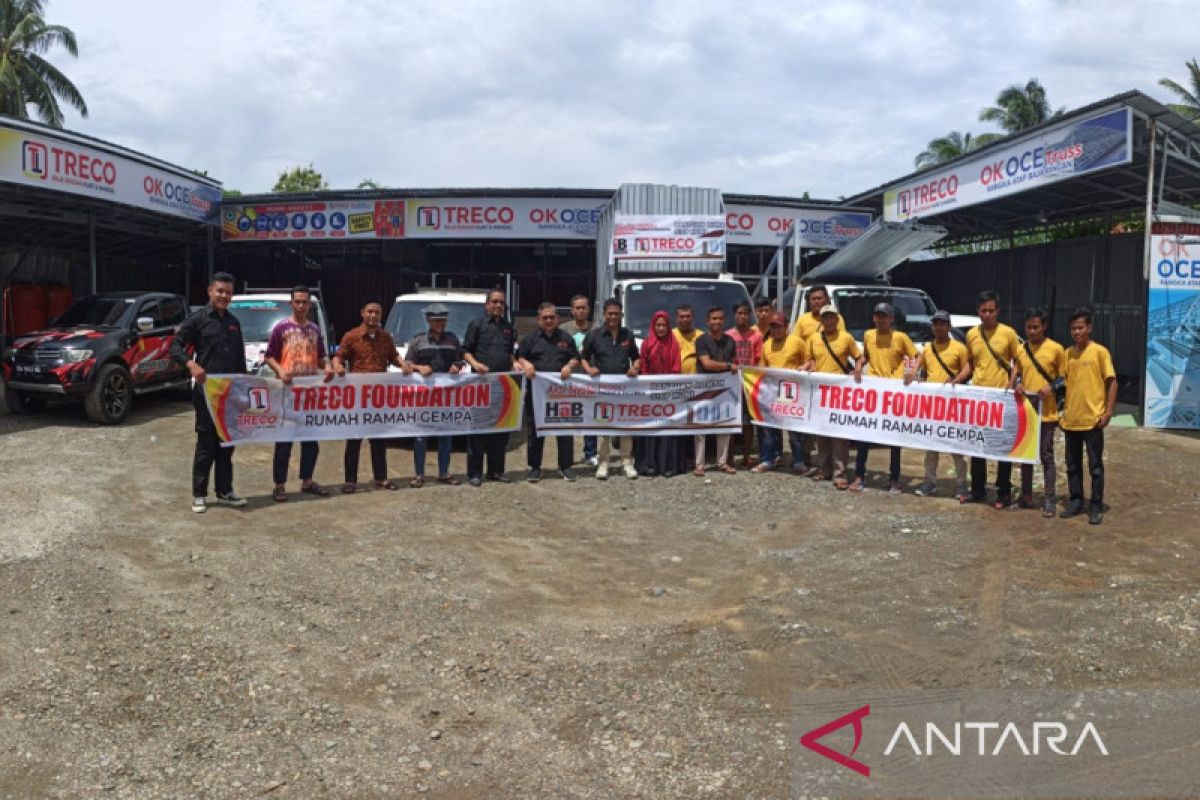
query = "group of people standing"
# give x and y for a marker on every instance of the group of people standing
(210, 342)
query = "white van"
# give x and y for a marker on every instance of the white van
(259, 310)
(641, 297)
(407, 317)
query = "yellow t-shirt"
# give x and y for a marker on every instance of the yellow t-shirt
(788, 354)
(843, 345)
(1053, 358)
(1087, 391)
(886, 352)
(808, 324)
(953, 353)
(687, 349)
(987, 371)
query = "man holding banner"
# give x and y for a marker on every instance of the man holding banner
(488, 346)
(832, 351)
(611, 350)
(885, 355)
(993, 347)
(1041, 362)
(547, 349)
(781, 350)
(715, 353)
(943, 361)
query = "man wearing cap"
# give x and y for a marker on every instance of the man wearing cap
(437, 350)
(489, 346)
(781, 350)
(367, 348)
(943, 361)
(886, 354)
(1040, 362)
(810, 321)
(831, 351)
(993, 347)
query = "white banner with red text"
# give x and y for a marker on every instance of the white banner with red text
(971, 420)
(677, 237)
(650, 405)
(247, 408)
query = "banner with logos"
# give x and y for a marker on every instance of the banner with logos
(768, 225)
(971, 420)
(63, 164)
(504, 217)
(675, 237)
(333, 219)
(650, 405)
(1172, 397)
(247, 408)
(1058, 153)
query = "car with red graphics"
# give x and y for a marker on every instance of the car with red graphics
(105, 349)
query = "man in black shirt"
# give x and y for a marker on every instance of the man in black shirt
(215, 335)
(611, 350)
(488, 347)
(547, 349)
(715, 353)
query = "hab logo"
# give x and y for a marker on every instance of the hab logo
(258, 400)
(35, 160)
(605, 412)
(563, 411)
(429, 218)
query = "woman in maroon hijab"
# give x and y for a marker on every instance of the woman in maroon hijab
(659, 455)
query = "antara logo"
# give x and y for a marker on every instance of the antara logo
(811, 740)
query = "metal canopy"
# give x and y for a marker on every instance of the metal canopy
(871, 256)
(1116, 191)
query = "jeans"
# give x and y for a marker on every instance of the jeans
(772, 445)
(378, 459)
(589, 446)
(209, 452)
(860, 462)
(421, 444)
(1046, 455)
(1093, 442)
(283, 455)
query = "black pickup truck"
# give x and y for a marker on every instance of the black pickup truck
(105, 349)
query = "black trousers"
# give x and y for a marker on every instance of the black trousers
(537, 444)
(209, 452)
(378, 459)
(979, 478)
(1093, 442)
(492, 445)
(283, 456)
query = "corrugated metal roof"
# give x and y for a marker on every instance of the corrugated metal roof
(880, 248)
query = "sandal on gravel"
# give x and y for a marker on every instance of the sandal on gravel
(820, 476)
(857, 485)
(840, 484)
(728, 469)
(315, 488)
(416, 483)
(698, 472)
(449, 479)
(391, 486)
(279, 494)
(349, 488)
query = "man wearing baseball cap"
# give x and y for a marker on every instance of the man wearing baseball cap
(943, 361)
(781, 350)
(831, 350)
(437, 350)
(886, 354)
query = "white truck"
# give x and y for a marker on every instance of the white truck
(407, 316)
(259, 310)
(641, 297)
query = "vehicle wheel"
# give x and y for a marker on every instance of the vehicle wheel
(23, 402)
(111, 395)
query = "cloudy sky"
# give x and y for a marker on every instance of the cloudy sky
(758, 97)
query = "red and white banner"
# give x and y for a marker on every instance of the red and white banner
(971, 420)
(682, 237)
(768, 225)
(503, 217)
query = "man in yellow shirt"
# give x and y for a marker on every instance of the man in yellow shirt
(781, 350)
(686, 334)
(993, 347)
(810, 321)
(885, 355)
(943, 361)
(1040, 362)
(831, 351)
(1091, 398)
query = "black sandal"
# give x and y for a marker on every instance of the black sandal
(315, 488)
(279, 495)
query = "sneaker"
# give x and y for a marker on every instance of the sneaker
(630, 470)
(199, 505)
(602, 472)
(857, 485)
(534, 476)
(475, 481)
(231, 500)
(894, 488)
(567, 475)
(1048, 509)
(1073, 510)
(1094, 516)
(764, 466)
(592, 461)
(499, 478)
(926, 489)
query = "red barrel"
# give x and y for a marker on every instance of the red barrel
(58, 299)
(24, 309)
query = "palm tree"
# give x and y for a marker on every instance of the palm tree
(26, 78)
(1190, 107)
(951, 146)
(1020, 107)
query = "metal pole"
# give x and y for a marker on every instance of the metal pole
(211, 255)
(1149, 204)
(92, 249)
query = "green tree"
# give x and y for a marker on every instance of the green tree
(367, 183)
(1190, 107)
(951, 146)
(1020, 107)
(26, 77)
(300, 179)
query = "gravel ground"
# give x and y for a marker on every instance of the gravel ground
(621, 639)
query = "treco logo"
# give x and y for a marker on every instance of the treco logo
(35, 160)
(41, 161)
(258, 400)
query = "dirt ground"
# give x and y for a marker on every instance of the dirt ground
(621, 639)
